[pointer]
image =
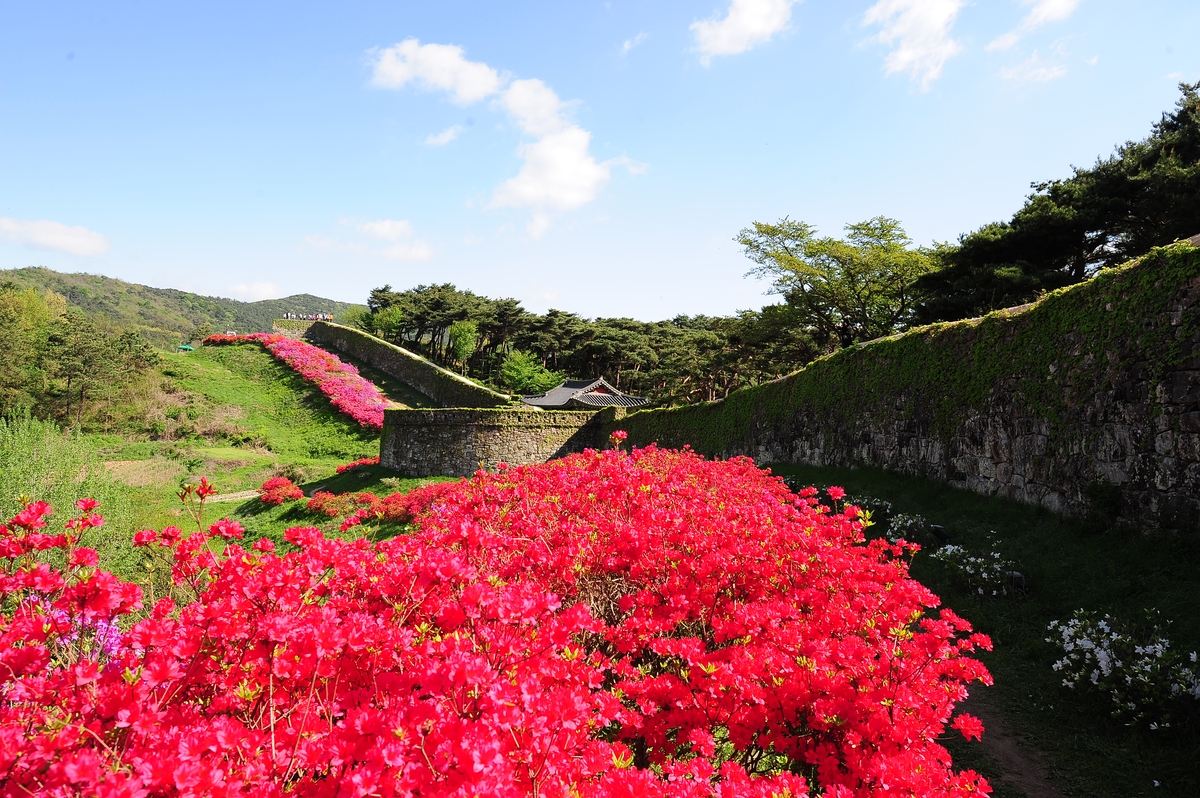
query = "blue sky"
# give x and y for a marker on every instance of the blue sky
(597, 157)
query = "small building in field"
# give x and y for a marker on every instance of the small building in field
(583, 395)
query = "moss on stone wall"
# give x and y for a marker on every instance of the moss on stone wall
(1071, 339)
(1053, 365)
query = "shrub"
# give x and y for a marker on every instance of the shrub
(278, 490)
(990, 574)
(359, 463)
(609, 624)
(1147, 682)
(330, 504)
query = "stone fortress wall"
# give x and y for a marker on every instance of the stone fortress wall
(458, 442)
(1091, 394)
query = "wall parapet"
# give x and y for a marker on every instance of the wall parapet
(456, 442)
(444, 387)
(1094, 388)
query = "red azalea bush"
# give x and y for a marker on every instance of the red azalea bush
(359, 463)
(609, 624)
(278, 490)
(347, 391)
(398, 508)
(334, 504)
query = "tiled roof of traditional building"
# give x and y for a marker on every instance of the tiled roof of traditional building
(584, 393)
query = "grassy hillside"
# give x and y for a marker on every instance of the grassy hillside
(164, 315)
(238, 417)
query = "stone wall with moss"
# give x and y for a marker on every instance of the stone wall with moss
(444, 387)
(1091, 394)
(458, 442)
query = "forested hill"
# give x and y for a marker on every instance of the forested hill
(165, 316)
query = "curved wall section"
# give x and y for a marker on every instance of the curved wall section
(423, 443)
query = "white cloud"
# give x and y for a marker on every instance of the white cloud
(631, 43)
(1034, 70)
(539, 223)
(920, 31)
(1042, 12)
(559, 172)
(395, 233)
(252, 292)
(435, 66)
(445, 137)
(748, 23)
(45, 234)
(535, 107)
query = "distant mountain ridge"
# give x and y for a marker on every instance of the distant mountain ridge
(165, 316)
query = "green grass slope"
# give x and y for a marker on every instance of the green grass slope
(251, 417)
(285, 415)
(163, 315)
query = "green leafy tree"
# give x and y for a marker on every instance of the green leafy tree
(200, 332)
(25, 319)
(382, 298)
(92, 367)
(462, 336)
(358, 318)
(851, 289)
(81, 356)
(522, 372)
(388, 323)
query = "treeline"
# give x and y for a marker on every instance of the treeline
(836, 291)
(685, 359)
(57, 362)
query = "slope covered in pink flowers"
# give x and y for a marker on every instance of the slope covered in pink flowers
(347, 390)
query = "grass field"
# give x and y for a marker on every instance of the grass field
(1069, 564)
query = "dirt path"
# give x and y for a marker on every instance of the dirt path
(239, 496)
(1020, 766)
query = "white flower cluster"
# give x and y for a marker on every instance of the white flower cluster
(907, 526)
(990, 574)
(1146, 680)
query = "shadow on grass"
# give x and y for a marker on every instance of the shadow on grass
(369, 478)
(1070, 564)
